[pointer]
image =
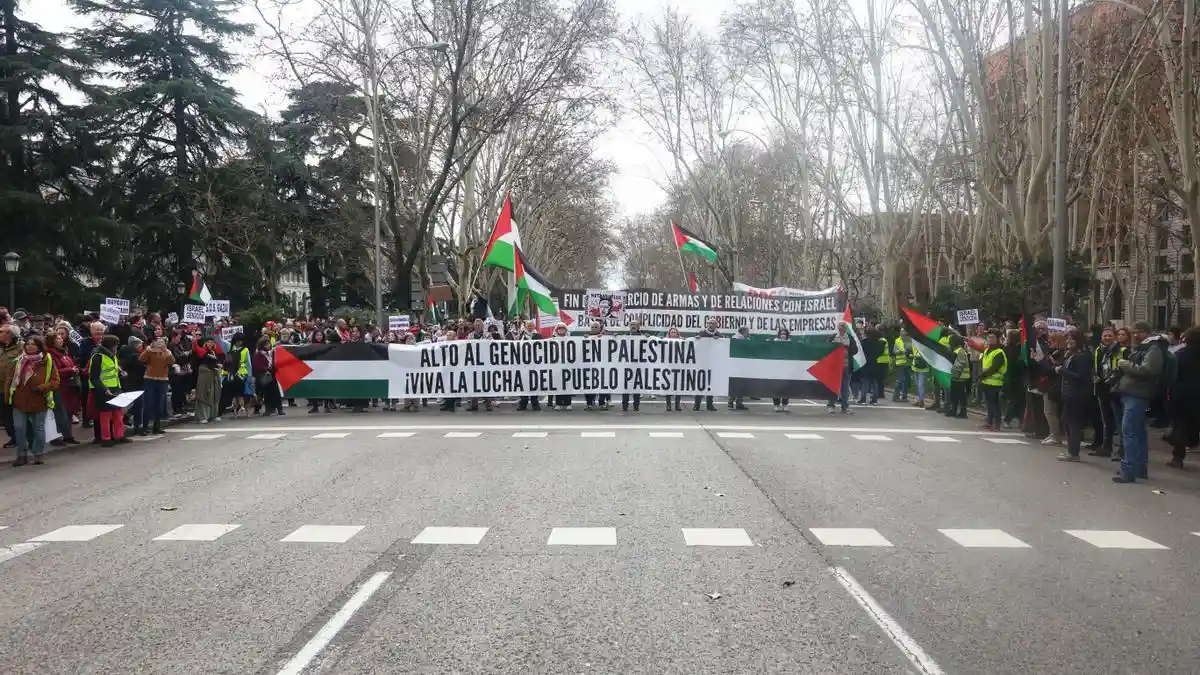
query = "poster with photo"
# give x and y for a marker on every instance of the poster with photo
(607, 307)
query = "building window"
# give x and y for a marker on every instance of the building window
(1164, 290)
(1161, 264)
(1186, 263)
(1163, 236)
(1187, 288)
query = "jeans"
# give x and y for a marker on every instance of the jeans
(1118, 414)
(920, 385)
(846, 393)
(154, 404)
(23, 424)
(1135, 437)
(62, 418)
(991, 394)
(901, 390)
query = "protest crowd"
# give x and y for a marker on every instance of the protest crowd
(68, 370)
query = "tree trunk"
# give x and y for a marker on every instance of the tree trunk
(316, 280)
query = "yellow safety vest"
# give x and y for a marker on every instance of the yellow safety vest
(12, 388)
(915, 355)
(243, 362)
(883, 357)
(966, 373)
(996, 379)
(110, 375)
(900, 357)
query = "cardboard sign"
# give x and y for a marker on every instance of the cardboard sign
(1056, 325)
(120, 303)
(398, 322)
(110, 314)
(228, 333)
(968, 317)
(217, 308)
(193, 314)
(173, 317)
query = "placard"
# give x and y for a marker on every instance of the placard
(968, 317)
(607, 307)
(1056, 325)
(228, 333)
(74, 336)
(173, 317)
(110, 314)
(193, 314)
(398, 322)
(217, 308)
(120, 303)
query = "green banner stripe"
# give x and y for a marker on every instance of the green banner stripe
(742, 386)
(338, 389)
(780, 351)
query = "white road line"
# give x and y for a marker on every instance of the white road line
(334, 435)
(3, 527)
(265, 437)
(805, 437)
(618, 427)
(77, 533)
(734, 434)
(582, 536)
(899, 637)
(939, 439)
(529, 434)
(871, 437)
(1115, 539)
(1006, 441)
(335, 624)
(666, 434)
(984, 539)
(10, 552)
(462, 536)
(463, 434)
(323, 534)
(397, 434)
(716, 536)
(850, 536)
(597, 434)
(206, 437)
(197, 532)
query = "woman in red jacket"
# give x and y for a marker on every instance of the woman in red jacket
(66, 397)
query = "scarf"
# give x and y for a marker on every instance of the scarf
(27, 366)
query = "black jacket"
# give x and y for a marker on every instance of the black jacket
(1077, 377)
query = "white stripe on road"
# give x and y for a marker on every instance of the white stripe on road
(529, 434)
(895, 632)
(578, 427)
(335, 624)
(582, 536)
(334, 435)
(323, 534)
(734, 434)
(10, 552)
(208, 437)
(197, 532)
(1006, 441)
(939, 439)
(666, 434)
(805, 437)
(451, 536)
(850, 536)
(77, 533)
(1115, 539)
(397, 434)
(462, 434)
(984, 539)
(716, 536)
(871, 437)
(265, 437)
(597, 434)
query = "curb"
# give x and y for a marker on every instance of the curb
(9, 455)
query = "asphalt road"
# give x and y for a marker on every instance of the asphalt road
(890, 541)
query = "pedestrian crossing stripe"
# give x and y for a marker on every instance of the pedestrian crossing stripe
(442, 535)
(808, 436)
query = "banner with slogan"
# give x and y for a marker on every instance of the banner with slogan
(572, 365)
(814, 314)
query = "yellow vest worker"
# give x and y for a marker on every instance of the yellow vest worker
(883, 357)
(996, 379)
(110, 375)
(900, 356)
(965, 375)
(919, 365)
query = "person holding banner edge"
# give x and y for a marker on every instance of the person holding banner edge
(708, 332)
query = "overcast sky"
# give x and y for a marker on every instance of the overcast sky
(640, 162)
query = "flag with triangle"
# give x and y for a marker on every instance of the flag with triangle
(199, 290)
(688, 242)
(532, 285)
(505, 241)
(860, 358)
(926, 335)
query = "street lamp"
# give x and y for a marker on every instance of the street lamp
(180, 288)
(12, 263)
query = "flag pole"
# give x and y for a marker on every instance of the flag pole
(679, 253)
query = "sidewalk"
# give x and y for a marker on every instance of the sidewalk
(84, 436)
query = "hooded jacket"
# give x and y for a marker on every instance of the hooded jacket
(1142, 376)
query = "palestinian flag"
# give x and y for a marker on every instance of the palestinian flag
(534, 286)
(431, 313)
(925, 334)
(692, 285)
(860, 358)
(505, 241)
(687, 242)
(349, 370)
(770, 369)
(199, 290)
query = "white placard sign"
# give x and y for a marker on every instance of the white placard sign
(110, 314)
(968, 317)
(1056, 325)
(173, 317)
(193, 313)
(398, 322)
(228, 333)
(119, 303)
(217, 308)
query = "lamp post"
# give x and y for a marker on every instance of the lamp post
(12, 264)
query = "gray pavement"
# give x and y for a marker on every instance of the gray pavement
(790, 497)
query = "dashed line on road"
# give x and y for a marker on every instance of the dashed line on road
(895, 632)
(335, 624)
(9, 552)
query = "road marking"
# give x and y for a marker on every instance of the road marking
(582, 536)
(716, 536)
(3, 527)
(265, 437)
(899, 637)
(529, 434)
(805, 437)
(1115, 539)
(335, 624)
(939, 439)
(203, 437)
(466, 536)
(334, 435)
(462, 434)
(734, 434)
(984, 539)
(597, 434)
(1006, 441)
(323, 534)
(850, 536)
(578, 427)
(197, 532)
(397, 434)
(77, 533)
(871, 437)
(666, 434)
(16, 550)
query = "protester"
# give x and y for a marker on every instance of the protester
(1185, 399)
(10, 351)
(155, 385)
(673, 334)
(30, 393)
(635, 330)
(263, 363)
(105, 384)
(1075, 373)
(1140, 376)
(66, 396)
(1014, 379)
(843, 338)
(901, 348)
(781, 335)
(960, 379)
(709, 332)
(596, 330)
(991, 379)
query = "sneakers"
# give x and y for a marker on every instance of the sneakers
(1067, 457)
(1050, 440)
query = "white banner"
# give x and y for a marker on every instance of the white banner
(193, 314)
(563, 366)
(968, 317)
(398, 322)
(228, 333)
(119, 303)
(217, 308)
